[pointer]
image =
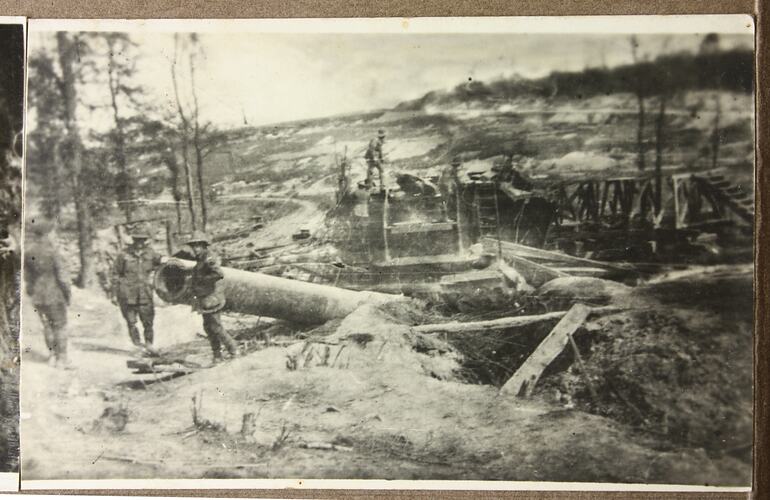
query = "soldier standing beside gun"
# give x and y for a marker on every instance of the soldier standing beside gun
(374, 158)
(208, 296)
(48, 287)
(132, 282)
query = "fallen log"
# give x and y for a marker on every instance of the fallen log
(264, 295)
(504, 323)
(525, 378)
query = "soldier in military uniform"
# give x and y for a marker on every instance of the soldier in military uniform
(208, 296)
(374, 158)
(133, 273)
(449, 183)
(48, 287)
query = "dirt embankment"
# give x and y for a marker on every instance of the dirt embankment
(366, 397)
(679, 368)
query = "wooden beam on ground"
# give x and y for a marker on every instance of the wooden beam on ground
(535, 274)
(504, 323)
(526, 377)
(591, 272)
(533, 253)
(488, 325)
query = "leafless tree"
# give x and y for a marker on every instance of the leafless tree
(118, 70)
(184, 135)
(715, 134)
(664, 94)
(640, 95)
(67, 47)
(197, 139)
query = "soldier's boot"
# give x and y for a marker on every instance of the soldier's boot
(147, 318)
(225, 339)
(133, 332)
(62, 360)
(230, 344)
(48, 335)
(64, 363)
(216, 347)
(149, 336)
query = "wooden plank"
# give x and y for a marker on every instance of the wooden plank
(420, 227)
(489, 325)
(535, 274)
(526, 377)
(538, 253)
(504, 323)
(593, 272)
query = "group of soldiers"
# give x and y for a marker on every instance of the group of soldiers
(49, 290)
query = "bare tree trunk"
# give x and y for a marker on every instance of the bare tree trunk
(660, 125)
(123, 187)
(715, 139)
(170, 160)
(185, 140)
(640, 159)
(198, 146)
(67, 49)
(638, 90)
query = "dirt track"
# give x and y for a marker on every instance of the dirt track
(278, 231)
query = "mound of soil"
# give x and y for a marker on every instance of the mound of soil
(679, 369)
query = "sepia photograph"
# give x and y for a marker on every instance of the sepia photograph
(501, 251)
(12, 37)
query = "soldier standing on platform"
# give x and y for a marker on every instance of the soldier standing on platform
(449, 184)
(374, 158)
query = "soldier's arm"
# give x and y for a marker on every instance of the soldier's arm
(117, 273)
(62, 276)
(117, 267)
(157, 259)
(214, 268)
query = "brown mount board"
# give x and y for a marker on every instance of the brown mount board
(406, 8)
(168, 9)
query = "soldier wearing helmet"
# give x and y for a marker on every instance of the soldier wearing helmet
(132, 283)
(374, 158)
(208, 296)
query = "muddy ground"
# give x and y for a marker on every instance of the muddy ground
(672, 375)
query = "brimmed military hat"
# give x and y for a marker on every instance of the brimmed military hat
(381, 133)
(456, 161)
(198, 237)
(139, 232)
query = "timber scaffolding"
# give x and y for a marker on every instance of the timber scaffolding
(631, 217)
(591, 214)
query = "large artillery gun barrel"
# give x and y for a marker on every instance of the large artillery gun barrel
(264, 295)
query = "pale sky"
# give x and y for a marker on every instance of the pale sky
(277, 77)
